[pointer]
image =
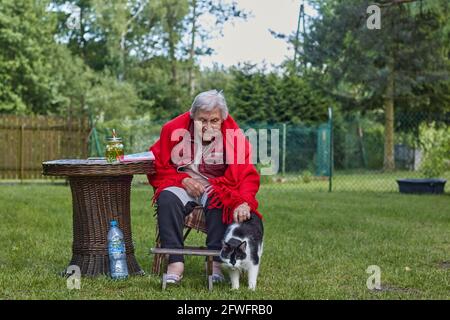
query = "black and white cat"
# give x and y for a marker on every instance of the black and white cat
(242, 248)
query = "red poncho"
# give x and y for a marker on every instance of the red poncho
(239, 184)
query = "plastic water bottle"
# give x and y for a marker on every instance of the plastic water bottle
(116, 251)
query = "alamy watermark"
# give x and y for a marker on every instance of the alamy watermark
(374, 280)
(74, 280)
(234, 144)
(74, 11)
(73, 21)
(374, 20)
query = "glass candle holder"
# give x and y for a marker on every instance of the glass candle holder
(114, 149)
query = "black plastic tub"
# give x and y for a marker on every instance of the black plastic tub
(435, 186)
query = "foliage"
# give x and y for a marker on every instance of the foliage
(26, 64)
(138, 59)
(111, 99)
(435, 143)
(307, 176)
(257, 96)
(352, 63)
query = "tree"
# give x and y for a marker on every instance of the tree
(86, 39)
(108, 32)
(221, 12)
(37, 75)
(117, 23)
(122, 37)
(380, 69)
(259, 97)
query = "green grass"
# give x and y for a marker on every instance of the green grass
(343, 180)
(348, 180)
(317, 246)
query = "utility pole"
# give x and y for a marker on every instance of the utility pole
(300, 23)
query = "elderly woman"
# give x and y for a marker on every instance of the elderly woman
(202, 158)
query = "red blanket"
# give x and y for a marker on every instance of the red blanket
(239, 184)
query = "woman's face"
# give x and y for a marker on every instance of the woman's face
(208, 122)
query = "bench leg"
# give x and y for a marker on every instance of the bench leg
(210, 283)
(209, 272)
(158, 258)
(164, 281)
(165, 262)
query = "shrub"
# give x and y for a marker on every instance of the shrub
(435, 143)
(307, 176)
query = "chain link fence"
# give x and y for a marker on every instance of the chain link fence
(421, 149)
(346, 153)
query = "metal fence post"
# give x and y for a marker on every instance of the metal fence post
(330, 123)
(283, 165)
(22, 129)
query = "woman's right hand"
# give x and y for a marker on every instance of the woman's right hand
(192, 187)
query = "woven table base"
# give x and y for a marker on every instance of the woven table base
(96, 201)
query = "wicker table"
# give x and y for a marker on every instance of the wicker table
(100, 193)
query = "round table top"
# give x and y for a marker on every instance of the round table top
(95, 167)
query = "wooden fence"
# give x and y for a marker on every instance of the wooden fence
(25, 142)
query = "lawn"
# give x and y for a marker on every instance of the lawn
(318, 245)
(350, 180)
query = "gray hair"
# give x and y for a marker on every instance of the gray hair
(209, 100)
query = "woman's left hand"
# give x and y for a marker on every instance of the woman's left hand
(241, 213)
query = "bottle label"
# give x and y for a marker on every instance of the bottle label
(119, 268)
(116, 246)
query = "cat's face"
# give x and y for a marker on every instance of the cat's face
(233, 253)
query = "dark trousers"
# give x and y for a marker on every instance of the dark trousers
(171, 213)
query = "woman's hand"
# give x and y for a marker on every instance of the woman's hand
(241, 213)
(192, 187)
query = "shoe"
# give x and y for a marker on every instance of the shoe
(172, 278)
(218, 278)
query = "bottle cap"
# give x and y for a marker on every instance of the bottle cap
(114, 139)
(113, 223)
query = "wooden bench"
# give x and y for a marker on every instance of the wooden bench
(195, 220)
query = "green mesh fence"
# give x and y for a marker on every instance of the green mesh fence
(359, 150)
(354, 145)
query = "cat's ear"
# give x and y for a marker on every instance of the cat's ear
(243, 246)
